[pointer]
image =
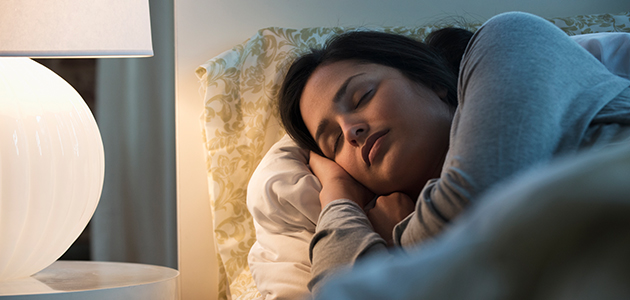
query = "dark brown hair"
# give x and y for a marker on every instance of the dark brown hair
(432, 65)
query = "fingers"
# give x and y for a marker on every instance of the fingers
(337, 183)
(322, 166)
(388, 211)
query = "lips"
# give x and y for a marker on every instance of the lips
(369, 144)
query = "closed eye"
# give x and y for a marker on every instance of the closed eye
(337, 142)
(365, 96)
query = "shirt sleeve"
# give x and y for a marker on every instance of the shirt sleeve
(527, 93)
(343, 235)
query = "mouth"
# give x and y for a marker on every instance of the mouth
(366, 150)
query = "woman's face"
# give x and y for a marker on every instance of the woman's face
(388, 132)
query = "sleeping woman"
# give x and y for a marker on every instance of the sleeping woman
(403, 138)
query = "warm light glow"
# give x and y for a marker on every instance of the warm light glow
(51, 153)
(51, 166)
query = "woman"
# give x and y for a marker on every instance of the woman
(384, 121)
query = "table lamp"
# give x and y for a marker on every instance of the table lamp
(51, 153)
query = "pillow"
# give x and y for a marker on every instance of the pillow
(611, 48)
(283, 199)
(240, 125)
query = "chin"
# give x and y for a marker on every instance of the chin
(398, 174)
(386, 187)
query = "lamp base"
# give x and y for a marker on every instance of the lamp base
(51, 167)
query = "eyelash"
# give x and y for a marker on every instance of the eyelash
(336, 145)
(365, 96)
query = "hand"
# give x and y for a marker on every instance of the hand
(337, 183)
(389, 211)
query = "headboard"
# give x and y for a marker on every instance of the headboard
(240, 123)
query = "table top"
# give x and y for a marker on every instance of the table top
(96, 280)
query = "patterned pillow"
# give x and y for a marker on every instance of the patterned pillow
(240, 123)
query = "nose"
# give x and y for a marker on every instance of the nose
(355, 132)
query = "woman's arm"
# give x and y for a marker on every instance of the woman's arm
(527, 93)
(342, 222)
(345, 231)
(388, 211)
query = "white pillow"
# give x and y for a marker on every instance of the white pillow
(283, 198)
(611, 48)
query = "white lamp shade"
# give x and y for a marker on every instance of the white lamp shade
(51, 167)
(75, 28)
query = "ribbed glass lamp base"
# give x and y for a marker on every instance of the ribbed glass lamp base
(51, 167)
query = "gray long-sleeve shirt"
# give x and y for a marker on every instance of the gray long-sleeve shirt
(527, 94)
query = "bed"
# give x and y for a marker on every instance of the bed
(240, 125)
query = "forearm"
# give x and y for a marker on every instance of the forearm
(343, 235)
(440, 201)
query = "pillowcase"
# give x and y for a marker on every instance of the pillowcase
(283, 199)
(611, 48)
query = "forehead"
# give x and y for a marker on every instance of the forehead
(321, 87)
(328, 78)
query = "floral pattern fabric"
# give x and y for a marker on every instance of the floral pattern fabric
(240, 123)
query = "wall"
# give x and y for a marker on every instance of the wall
(204, 29)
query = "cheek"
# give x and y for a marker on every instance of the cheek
(353, 165)
(349, 161)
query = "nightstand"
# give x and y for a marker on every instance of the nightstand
(92, 280)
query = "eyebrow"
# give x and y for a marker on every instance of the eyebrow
(341, 92)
